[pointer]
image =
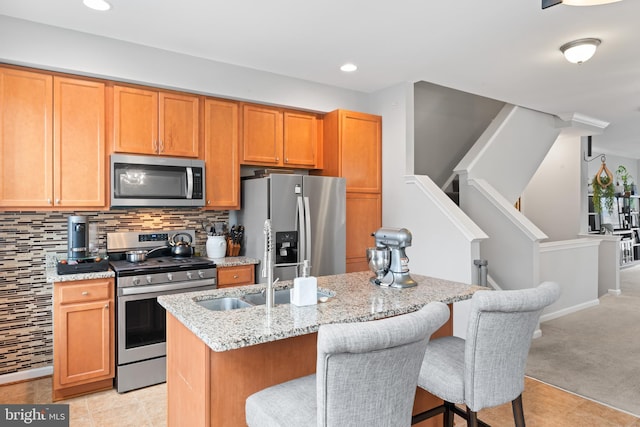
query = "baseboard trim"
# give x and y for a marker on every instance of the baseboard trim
(615, 292)
(568, 310)
(29, 374)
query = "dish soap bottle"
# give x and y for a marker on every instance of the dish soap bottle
(305, 288)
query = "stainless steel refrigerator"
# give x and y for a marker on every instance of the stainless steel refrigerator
(308, 220)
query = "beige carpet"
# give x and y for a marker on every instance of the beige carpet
(595, 352)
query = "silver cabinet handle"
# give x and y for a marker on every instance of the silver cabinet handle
(161, 146)
(57, 201)
(85, 293)
(48, 201)
(106, 306)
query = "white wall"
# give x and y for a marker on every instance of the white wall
(440, 247)
(552, 199)
(41, 46)
(510, 150)
(573, 264)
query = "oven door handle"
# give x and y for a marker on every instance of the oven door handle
(149, 289)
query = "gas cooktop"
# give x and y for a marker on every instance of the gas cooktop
(160, 261)
(162, 264)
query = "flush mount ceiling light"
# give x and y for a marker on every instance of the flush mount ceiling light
(349, 68)
(549, 3)
(579, 51)
(587, 2)
(100, 5)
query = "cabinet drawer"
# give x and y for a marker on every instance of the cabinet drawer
(235, 276)
(84, 291)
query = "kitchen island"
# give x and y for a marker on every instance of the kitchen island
(215, 359)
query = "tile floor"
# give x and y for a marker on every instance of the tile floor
(544, 406)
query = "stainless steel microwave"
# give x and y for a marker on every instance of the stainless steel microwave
(156, 181)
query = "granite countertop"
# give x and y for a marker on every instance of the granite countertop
(355, 300)
(52, 276)
(234, 261)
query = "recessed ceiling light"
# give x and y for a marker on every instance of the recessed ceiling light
(100, 5)
(349, 68)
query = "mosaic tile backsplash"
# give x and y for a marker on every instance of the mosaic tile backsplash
(26, 336)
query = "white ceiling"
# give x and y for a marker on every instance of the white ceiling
(502, 49)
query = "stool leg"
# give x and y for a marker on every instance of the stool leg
(448, 414)
(472, 418)
(518, 412)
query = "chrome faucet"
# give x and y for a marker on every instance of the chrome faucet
(267, 264)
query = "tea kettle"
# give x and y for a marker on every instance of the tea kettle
(179, 246)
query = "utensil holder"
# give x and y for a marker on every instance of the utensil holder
(216, 246)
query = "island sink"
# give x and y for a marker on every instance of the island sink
(223, 304)
(282, 296)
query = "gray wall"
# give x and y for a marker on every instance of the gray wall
(447, 123)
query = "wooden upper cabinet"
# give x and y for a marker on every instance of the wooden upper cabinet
(151, 122)
(277, 137)
(178, 119)
(52, 141)
(353, 149)
(220, 140)
(79, 143)
(300, 147)
(262, 135)
(26, 126)
(135, 120)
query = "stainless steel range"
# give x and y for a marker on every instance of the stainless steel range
(140, 320)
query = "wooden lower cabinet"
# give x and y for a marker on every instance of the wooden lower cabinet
(209, 388)
(83, 337)
(237, 275)
(364, 217)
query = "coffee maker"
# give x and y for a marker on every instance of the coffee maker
(389, 260)
(77, 237)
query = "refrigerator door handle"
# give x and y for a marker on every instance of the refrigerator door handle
(307, 230)
(302, 233)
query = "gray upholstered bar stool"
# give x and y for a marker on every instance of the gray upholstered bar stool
(366, 375)
(487, 369)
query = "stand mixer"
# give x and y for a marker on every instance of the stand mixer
(389, 260)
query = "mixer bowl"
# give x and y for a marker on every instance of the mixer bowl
(379, 260)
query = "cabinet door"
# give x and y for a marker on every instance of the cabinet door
(300, 146)
(262, 135)
(78, 142)
(361, 151)
(221, 154)
(26, 151)
(135, 120)
(83, 336)
(364, 216)
(178, 115)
